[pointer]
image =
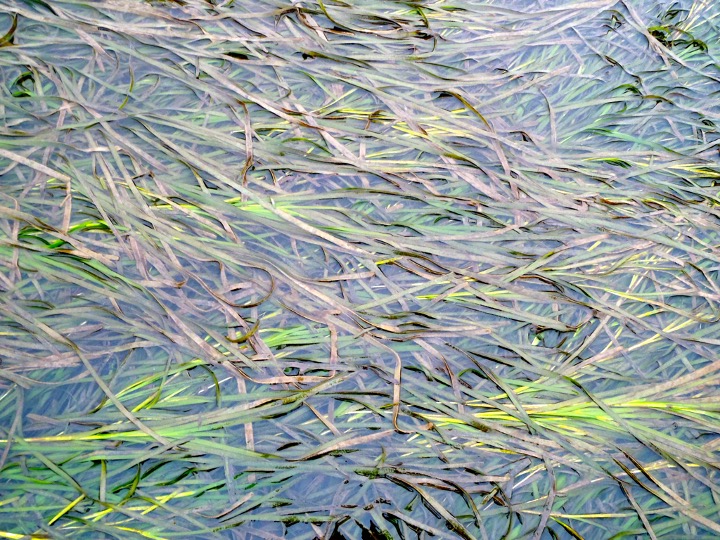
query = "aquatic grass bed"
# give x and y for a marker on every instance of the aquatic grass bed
(359, 269)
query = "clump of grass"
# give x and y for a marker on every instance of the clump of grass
(359, 270)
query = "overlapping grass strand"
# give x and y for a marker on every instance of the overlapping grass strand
(329, 269)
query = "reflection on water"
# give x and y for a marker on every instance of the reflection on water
(428, 269)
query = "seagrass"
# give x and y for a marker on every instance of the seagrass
(373, 269)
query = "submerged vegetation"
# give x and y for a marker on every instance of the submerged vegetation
(369, 269)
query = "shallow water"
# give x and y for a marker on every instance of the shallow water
(512, 205)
